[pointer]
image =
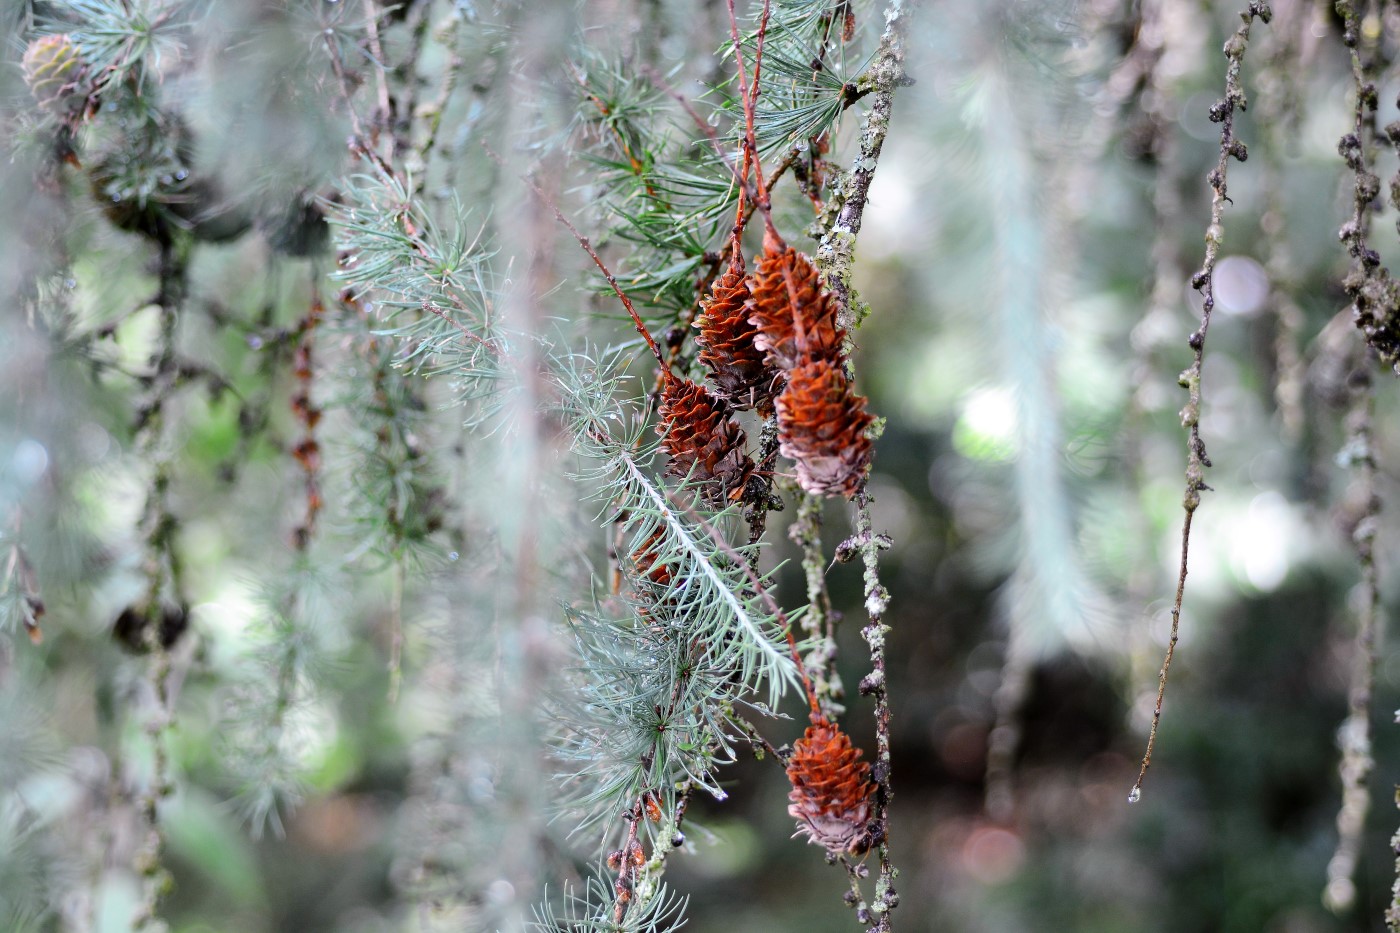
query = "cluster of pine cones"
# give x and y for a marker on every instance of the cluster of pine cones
(771, 341)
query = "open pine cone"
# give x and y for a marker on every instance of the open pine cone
(822, 427)
(792, 334)
(831, 789)
(704, 441)
(738, 370)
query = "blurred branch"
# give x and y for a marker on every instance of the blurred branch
(162, 575)
(1354, 736)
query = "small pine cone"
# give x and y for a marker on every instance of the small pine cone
(739, 371)
(705, 443)
(779, 275)
(53, 69)
(831, 789)
(822, 428)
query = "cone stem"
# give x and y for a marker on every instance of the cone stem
(748, 94)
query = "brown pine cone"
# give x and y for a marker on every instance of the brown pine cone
(822, 428)
(704, 441)
(831, 789)
(739, 371)
(791, 339)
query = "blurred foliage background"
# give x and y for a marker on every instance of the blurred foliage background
(1027, 254)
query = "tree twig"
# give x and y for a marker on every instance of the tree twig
(1222, 112)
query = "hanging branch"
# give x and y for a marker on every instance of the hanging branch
(1354, 736)
(1280, 93)
(875, 684)
(1222, 112)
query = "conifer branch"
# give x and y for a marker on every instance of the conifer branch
(756, 585)
(773, 659)
(1222, 112)
(713, 644)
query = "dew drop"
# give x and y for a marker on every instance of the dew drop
(181, 175)
(1135, 795)
(453, 555)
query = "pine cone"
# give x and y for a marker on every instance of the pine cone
(822, 428)
(53, 69)
(705, 443)
(771, 310)
(738, 370)
(831, 789)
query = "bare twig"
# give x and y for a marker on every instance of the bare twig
(1222, 112)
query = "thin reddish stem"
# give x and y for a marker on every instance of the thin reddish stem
(597, 261)
(748, 95)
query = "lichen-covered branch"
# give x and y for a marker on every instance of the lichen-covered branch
(836, 254)
(877, 600)
(1375, 295)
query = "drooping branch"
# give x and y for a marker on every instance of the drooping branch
(1222, 112)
